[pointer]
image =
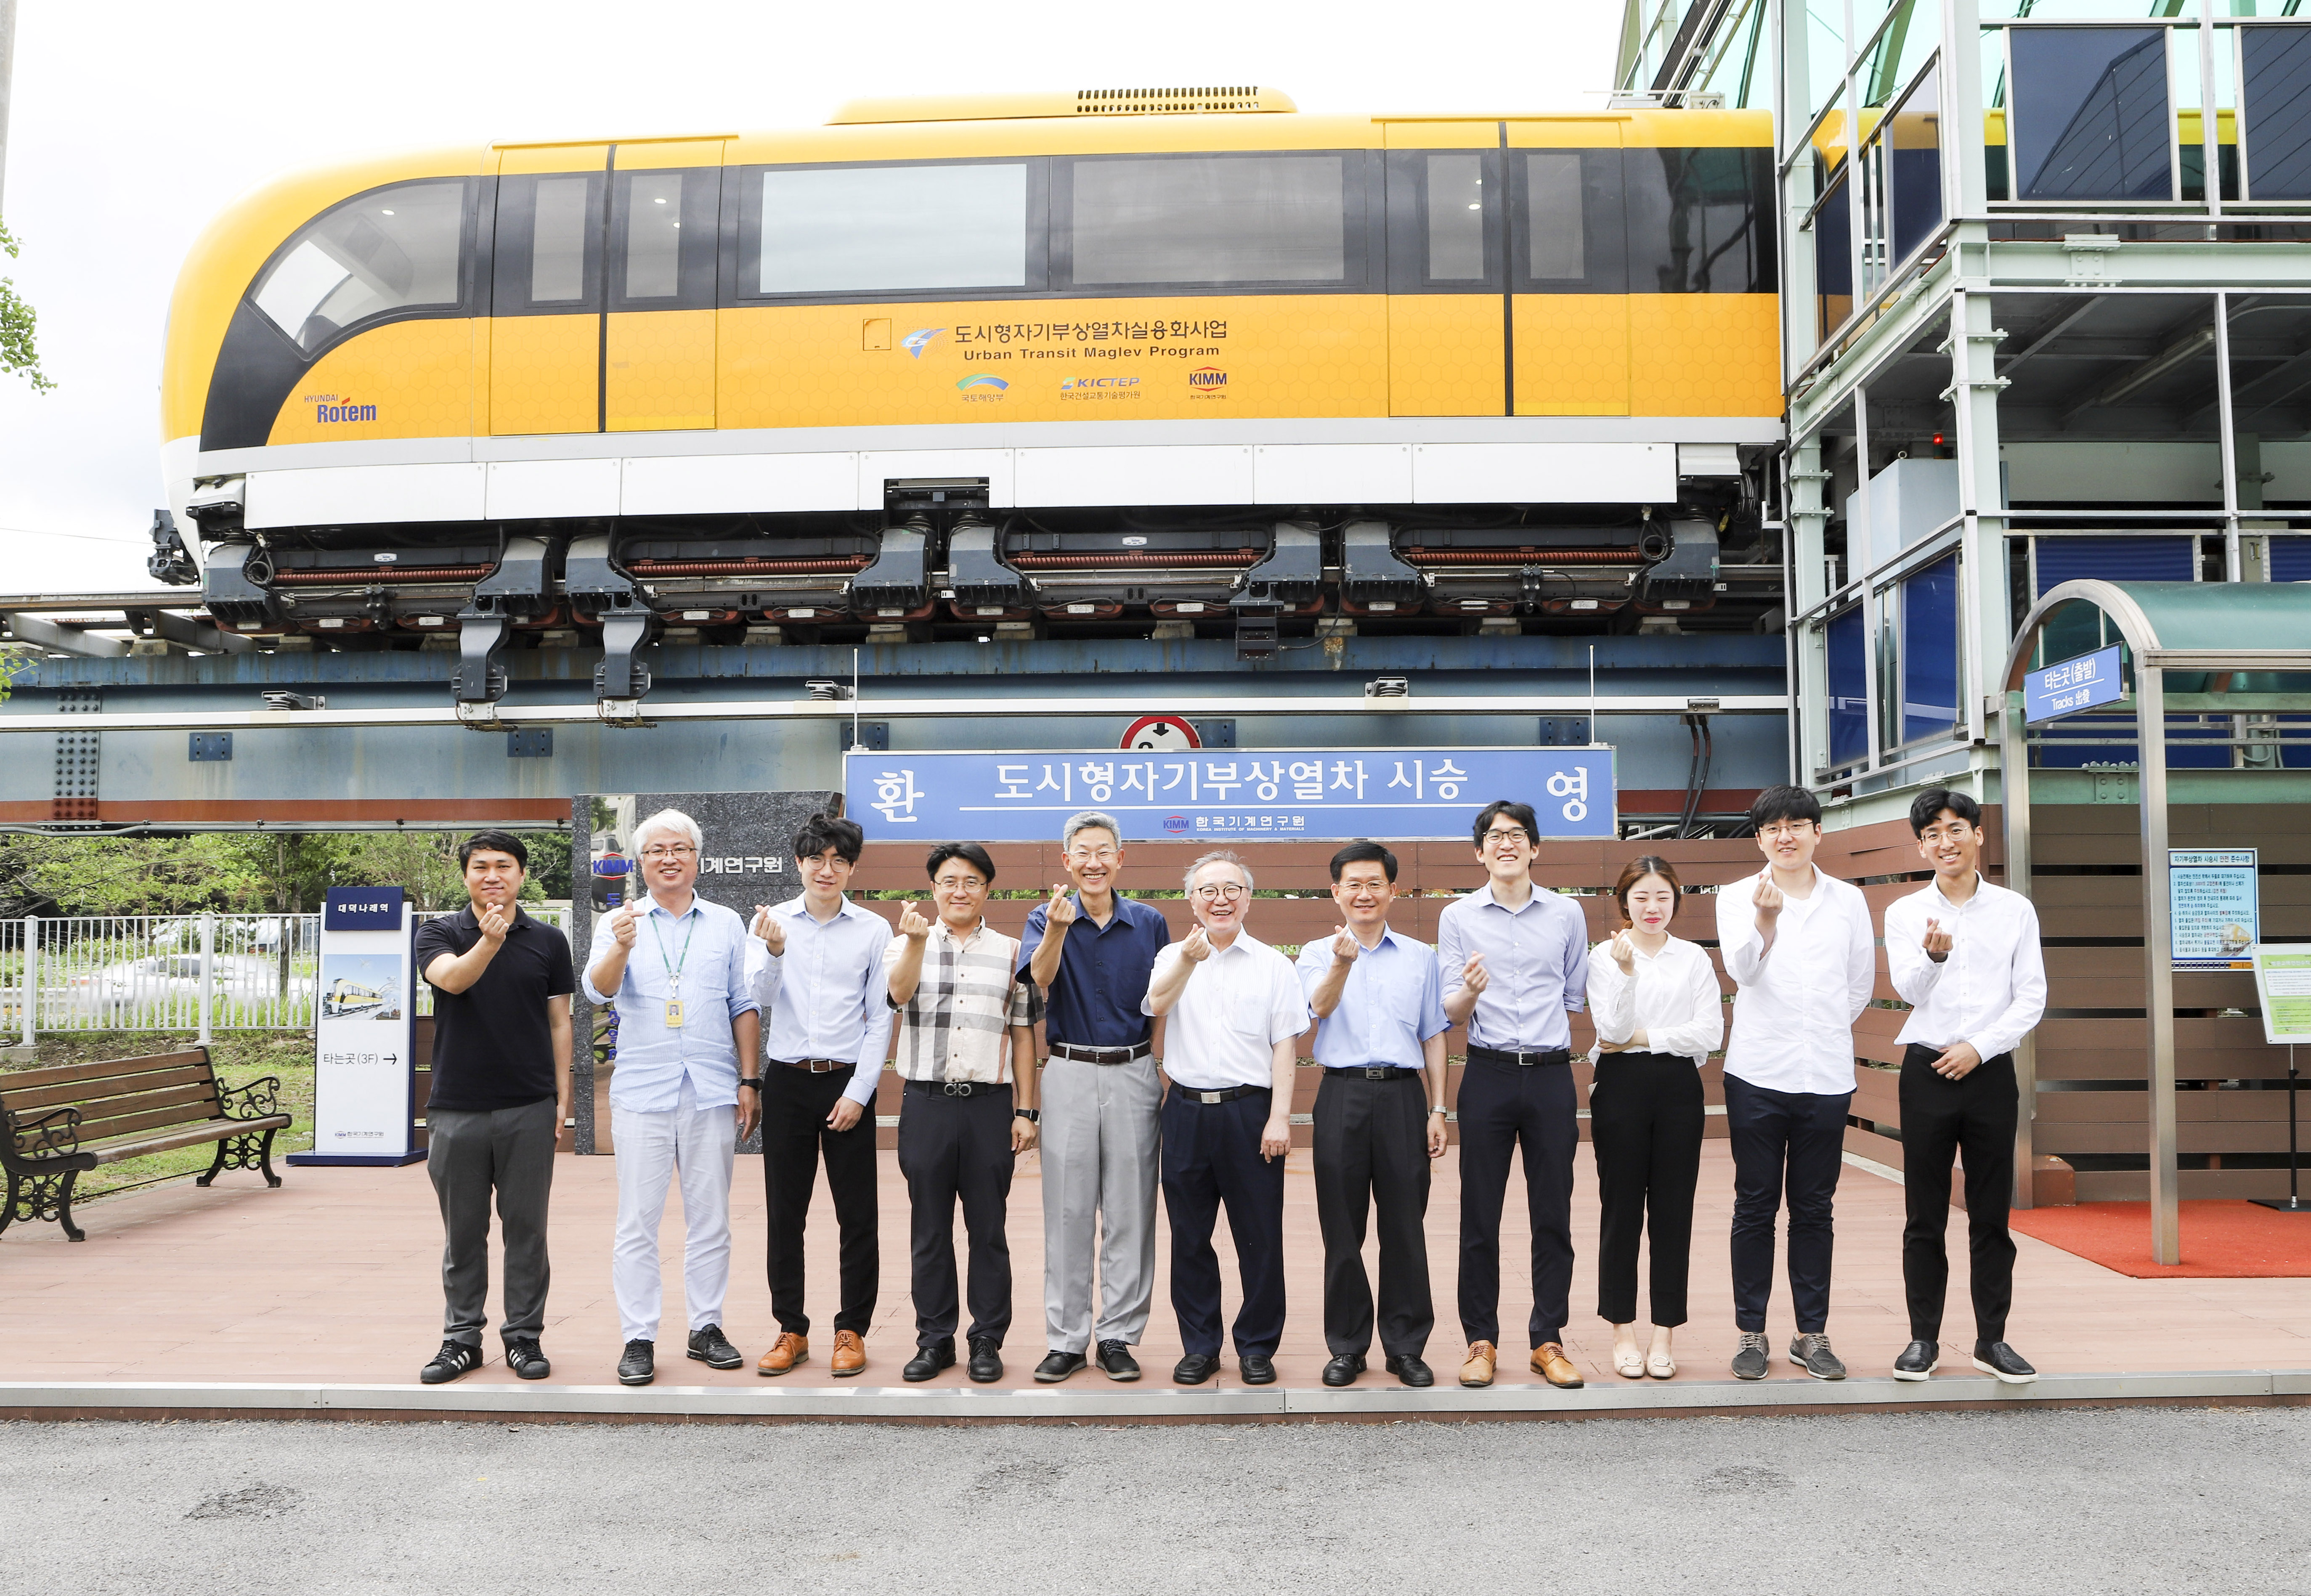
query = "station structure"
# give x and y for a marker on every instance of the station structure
(2025, 341)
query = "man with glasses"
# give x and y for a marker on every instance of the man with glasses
(1235, 1017)
(1514, 960)
(1800, 947)
(675, 967)
(955, 983)
(1091, 952)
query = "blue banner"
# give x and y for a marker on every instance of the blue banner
(1317, 794)
(2085, 683)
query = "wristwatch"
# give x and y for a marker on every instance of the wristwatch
(755, 1081)
(1032, 1115)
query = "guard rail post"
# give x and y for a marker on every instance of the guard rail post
(32, 978)
(208, 974)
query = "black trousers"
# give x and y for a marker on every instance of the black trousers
(795, 1135)
(1372, 1151)
(1783, 1139)
(473, 1152)
(953, 1148)
(1645, 1118)
(1939, 1118)
(1211, 1157)
(1499, 1104)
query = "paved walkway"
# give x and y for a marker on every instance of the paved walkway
(333, 1279)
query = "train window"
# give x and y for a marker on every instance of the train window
(887, 229)
(666, 236)
(1194, 219)
(1695, 221)
(1553, 189)
(653, 235)
(1456, 218)
(395, 249)
(557, 248)
(549, 244)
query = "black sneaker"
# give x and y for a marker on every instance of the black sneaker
(639, 1366)
(1116, 1362)
(1918, 1360)
(986, 1366)
(1811, 1353)
(1195, 1369)
(454, 1359)
(1749, 1358)
(1256, 1367)
(528, 1359)
(1412, 1371)
(1344, 1369)
(1056, 1366)
(1996, 1358)
(711, 1348)
(928, 1361)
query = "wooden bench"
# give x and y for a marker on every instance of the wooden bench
(54, 1123)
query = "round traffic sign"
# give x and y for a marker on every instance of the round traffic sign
(1160, 734)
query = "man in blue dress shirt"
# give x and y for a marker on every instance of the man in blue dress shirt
(1379, 1119)
(1514, 960)
(1092, 950)
(674, 967)
(816, 964)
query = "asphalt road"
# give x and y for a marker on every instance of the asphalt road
(2176, 1500)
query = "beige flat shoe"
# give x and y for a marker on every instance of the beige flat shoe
(1660, 1365)
(1629, 1365)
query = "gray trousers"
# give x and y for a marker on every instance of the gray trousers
(1099, 1141)
(469, 1154)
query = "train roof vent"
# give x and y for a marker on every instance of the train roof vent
(1084, 102)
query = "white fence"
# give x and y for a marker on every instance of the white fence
(198, 972)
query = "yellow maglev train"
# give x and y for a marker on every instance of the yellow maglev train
(1126, 299)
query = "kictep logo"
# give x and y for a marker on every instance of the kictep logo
(916, 342)
(1072, 383)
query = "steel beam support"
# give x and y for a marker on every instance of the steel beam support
(2014, 813)
(62, 638)
(2159, 963)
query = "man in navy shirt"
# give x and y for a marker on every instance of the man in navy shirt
(1093, 950)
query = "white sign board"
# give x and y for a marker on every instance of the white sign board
(365, 1076)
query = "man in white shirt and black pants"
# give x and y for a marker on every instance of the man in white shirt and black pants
(1800, 946)
(1965, 955)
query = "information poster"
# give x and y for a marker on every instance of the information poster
(364, 1081)
(2283, 981)
(2212, 917)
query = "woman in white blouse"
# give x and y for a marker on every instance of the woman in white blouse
(1659, 1016)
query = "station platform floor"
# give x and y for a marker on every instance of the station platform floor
(322, 1298)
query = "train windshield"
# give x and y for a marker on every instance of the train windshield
(394, 249)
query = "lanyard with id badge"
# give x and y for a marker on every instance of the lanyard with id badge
(674, 970)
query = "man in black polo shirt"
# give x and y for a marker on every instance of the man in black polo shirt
(501, 985)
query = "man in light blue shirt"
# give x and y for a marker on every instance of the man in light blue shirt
(1379, 1119)
(675, 967)
(816, 963)
(1515, 957)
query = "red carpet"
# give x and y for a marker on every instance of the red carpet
(2222, 1240)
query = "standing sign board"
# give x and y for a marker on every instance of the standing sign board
(364, 1075)
(2212, 908)
(2283, 981)
(1292, 794)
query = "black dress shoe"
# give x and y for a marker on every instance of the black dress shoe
(1116, 1362)
(454, 1359)
(639, 1366)
(1409, 1369)
(711, 1348)
(928, 1361)
(528, 1359)
(1918, 1360)
(1257, 1368)
(1055, 1367)
(1344, 1369)
(1195, 1369)
(1996, 1358)
(986, 1366)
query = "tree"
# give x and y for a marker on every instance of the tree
(19, 353)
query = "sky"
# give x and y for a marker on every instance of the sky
(134, 123)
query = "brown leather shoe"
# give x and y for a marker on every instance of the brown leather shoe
(1549, 1362)
(785, 1353)
(1479, 1368)
(849, 1354)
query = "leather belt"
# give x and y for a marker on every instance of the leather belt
(1492, 1055)
(959, 1088)
(816, 1066)
(1374, 1075)
(1226, 1094)
(1101, 1055)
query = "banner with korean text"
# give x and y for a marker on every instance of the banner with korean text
(1315, 794)
(364, 1073)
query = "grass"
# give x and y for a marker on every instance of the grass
(240, 1056)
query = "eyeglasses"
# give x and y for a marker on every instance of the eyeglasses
(669, 851)
(951, 883)
(1230, 891)
(1104, 856)
(1787, 828)
(1512, 835)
